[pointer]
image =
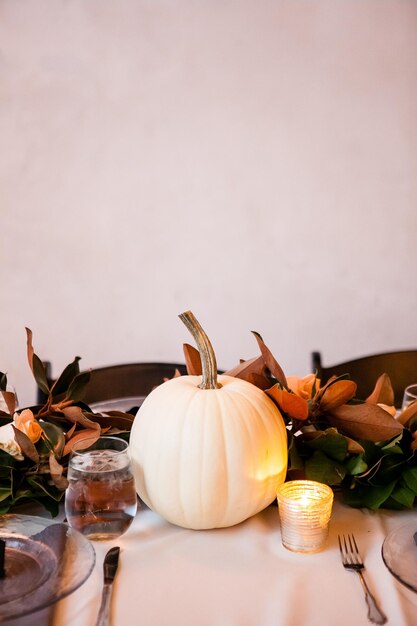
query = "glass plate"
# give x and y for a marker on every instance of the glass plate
(399, 552)
(117, 404)
(44, 562)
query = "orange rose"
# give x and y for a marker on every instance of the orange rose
(25, 421)
(303, 387)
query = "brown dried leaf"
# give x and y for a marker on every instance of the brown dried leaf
(270, 361)
(251, 370)
(113, 431)
(383, 392)
(353, 446)
(321, 390)
(10, 400)
(56, 469)
(288, 402)
(83, 439)
(177, 374)
(259, 381)
(364, 421)
(409, 412)
(192, 360)
(75, 415)
(30, 350)
(116, 419)
(336, 394)
(26, 445)
(36, 365)
(70, 432)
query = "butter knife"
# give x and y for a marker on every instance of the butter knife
(111, 561)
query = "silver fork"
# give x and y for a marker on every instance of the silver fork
(351, 559)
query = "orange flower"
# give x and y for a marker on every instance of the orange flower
(26, 422)
(303, 387)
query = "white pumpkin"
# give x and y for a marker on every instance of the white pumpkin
(208, 457)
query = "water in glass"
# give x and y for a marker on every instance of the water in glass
(101, 499)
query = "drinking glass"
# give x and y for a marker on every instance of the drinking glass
(410, 395)
(100, 500)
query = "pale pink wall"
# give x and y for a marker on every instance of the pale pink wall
(252, 160)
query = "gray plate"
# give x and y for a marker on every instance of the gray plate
(44, 562)
(399, 553)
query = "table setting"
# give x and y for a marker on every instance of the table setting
(249, 497)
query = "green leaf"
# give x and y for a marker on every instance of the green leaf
(412, 424)
(66, 377)
(41, 486)
(403, 496)
(3, 382)
(321, 468)
(7, 460)
(22, 494)
(40, 374)
(55, 440)
(395, 449)
(314, 387)
(76, 390)
(5, 507)
(356, 465)
(50, 504)
(392, 504)
(331, 443)
(367, 495)
(394, 443)
(5, 492)
(372, 452)
(409, 477)
(389, 469)
(295, 462)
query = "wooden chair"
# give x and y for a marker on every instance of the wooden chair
(123, 381)
(401, 367)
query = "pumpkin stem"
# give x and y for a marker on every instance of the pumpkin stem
(208, 358)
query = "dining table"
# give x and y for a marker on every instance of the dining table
(237, 576)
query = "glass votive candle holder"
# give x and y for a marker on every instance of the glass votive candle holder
(305, 508)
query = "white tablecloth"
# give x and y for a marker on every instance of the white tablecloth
(239, 576)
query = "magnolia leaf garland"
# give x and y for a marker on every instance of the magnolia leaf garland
(332, 435)
(33, 467)
(340, 439)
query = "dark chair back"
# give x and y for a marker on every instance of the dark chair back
(401, 367)
(125, 380)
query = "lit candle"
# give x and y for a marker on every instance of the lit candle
(305, 507)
